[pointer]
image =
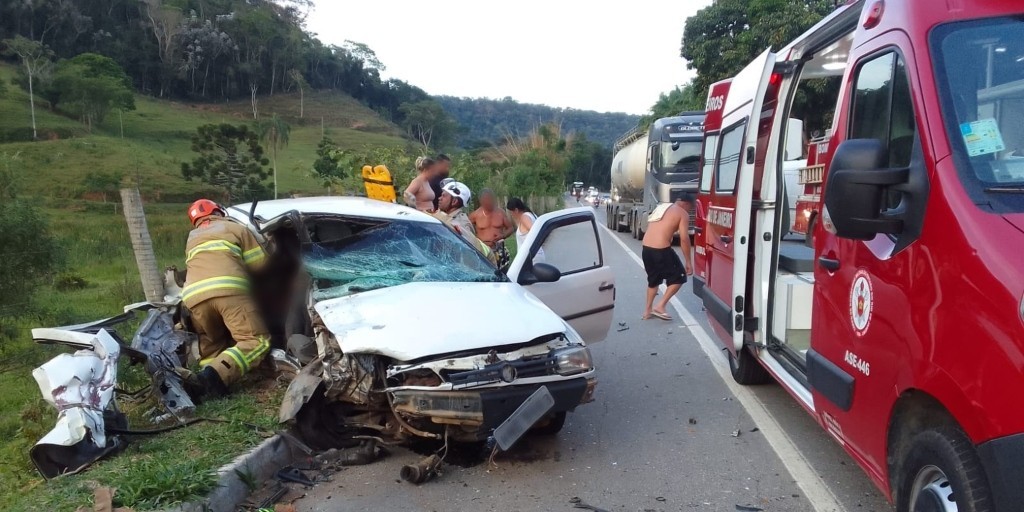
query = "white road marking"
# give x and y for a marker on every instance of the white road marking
(815, 490)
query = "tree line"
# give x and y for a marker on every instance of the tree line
(722, 38)
(207, 49)
(484, 121)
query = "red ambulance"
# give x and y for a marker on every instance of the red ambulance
(902, 329)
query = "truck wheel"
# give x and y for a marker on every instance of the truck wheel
(746, 370)
(942, 473)
(809, 237)
(619, 227)
(550, 426)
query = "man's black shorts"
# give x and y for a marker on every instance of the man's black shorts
(663, 265)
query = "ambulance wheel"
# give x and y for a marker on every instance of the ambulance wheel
(746, 370)
(942, 473)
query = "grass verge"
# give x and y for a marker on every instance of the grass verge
(98, 278)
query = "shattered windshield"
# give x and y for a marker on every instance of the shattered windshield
(393, 254)
(980, 73)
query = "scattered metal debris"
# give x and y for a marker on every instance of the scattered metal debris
(693, 421)
(755, 429)
(423, 471)
(736, 433)
(747, 508)
(293, 475)
(158, 340)
(578, 503)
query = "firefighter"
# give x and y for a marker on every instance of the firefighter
(233, 339)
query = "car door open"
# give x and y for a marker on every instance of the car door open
(583, 291)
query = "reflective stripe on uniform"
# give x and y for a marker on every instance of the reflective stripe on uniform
(242, 360)
(261, 348)
(213, 283)
(253, 255)
(239, 359)
(214, 245)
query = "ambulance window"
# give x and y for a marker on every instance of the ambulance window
(883, 110)
(710, 149)
(728, 165)
(882, 107)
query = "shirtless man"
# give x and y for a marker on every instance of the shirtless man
(660, 261)
(419, 194)
(493, 226)
(492, 223)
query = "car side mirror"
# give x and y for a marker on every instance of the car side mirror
(540, 273)
(855, 188)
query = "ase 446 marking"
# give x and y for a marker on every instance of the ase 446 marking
(858, 363)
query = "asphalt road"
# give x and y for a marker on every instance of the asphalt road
(666, 432)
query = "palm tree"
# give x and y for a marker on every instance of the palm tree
(274, 132)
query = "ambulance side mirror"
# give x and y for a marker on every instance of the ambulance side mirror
(855, 189)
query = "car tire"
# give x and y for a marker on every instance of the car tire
(552, 426)
(746, 370)
(809, 236)
(941, 472)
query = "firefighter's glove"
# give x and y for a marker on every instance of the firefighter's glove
(204, 384)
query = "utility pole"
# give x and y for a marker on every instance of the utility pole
(142, 245)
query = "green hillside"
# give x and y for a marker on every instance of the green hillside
(157, 140)
(489, 120)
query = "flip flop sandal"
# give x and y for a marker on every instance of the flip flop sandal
(663, 316)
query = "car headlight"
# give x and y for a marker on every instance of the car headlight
(573, 360)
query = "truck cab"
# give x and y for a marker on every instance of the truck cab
(654, 166)
(901, 329)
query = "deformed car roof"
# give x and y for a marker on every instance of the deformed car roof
(337, 205)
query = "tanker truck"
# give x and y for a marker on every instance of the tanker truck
(654, 166)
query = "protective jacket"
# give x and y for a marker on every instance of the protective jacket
(219, 255)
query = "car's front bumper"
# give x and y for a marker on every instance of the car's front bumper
(486, 408)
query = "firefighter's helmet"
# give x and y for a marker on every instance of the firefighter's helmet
(203, 208)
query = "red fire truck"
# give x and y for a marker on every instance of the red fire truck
(902, 329)
(811, 179)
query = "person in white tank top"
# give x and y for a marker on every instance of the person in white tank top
(524, 219)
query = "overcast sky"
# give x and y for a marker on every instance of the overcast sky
(563, 53)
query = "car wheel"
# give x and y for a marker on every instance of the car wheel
(809, 237)
(746, 370)
(942, 473)
(551, 425)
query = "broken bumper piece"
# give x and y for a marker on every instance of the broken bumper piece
(485, 409)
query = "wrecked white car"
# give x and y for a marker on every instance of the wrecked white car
(416, 334)
(398, 328)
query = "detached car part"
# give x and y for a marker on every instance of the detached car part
(81, 387)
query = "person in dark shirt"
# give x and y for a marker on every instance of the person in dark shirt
(443, 166)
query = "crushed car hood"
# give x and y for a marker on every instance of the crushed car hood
(417, 320)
